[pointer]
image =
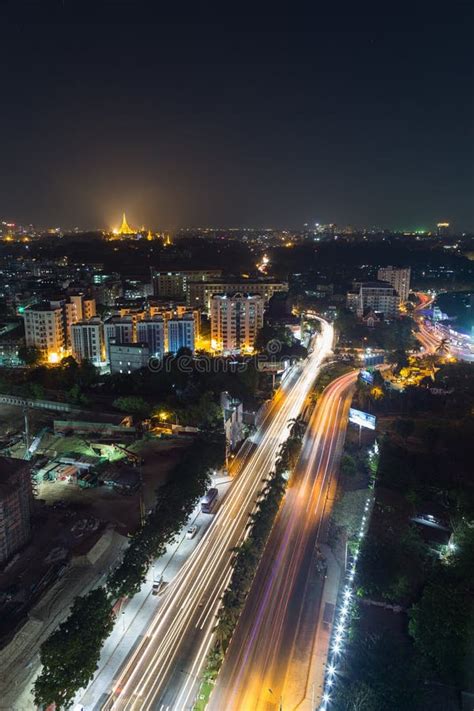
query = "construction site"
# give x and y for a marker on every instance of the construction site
(93, 478)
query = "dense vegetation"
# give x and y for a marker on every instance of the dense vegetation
(421, 655)
(395, 337)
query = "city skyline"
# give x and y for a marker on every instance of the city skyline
(362, 120)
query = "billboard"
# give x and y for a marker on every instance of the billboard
(363, 419)
(367, 377)
(373, 359)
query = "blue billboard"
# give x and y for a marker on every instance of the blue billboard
(367, 377)
(363, 419)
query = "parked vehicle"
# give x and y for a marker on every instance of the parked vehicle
(191, 532)
(208, 500)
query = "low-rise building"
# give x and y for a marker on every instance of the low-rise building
(127, 357)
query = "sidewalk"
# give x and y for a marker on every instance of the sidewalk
(137, 613)
(323, 634)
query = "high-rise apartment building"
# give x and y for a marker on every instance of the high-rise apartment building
(85, 307)
(235, 321)
(118, 329)
(152, 332)
(87, 341)
(181, 333)
(44, 329)
(15, 506)
(399, 278)
(200, 293)
(174, 285)
(377, 296)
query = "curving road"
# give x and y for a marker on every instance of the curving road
(268, 663)
(163, 672)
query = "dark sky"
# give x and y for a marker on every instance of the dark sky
(344, 116)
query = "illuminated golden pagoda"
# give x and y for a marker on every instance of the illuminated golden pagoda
(125, 228)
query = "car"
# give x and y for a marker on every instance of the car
(191, 532)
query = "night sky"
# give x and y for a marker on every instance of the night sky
(347, 117)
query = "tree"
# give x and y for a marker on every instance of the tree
(404, 427)
(297, 427)
(443, 346)
(30, 355)
(380, 674)
(133, 405)
(440, 624)
(348, 465)
(71, 655)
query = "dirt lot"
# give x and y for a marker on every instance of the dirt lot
(105, 504)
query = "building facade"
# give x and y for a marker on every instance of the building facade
(16, 500)
(87, 341)
(152, 332)
(235, 321)
(127, 357)
(377, 296)
(200, 293)
(118, 329)
(181, 333)
(44, 329)
(398, 278)
(174, 285)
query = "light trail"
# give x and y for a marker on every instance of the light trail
(181, 632)
(261, 656)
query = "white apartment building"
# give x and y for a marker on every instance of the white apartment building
(85, 307)
(181, 333)
(377, 296)
(78, 308)
(399, 278)
(152, 332)
(235, 321)
(169, 312)
(118, 329)
(44, 329)
(87, 341)
(199, 294)
(127, 357)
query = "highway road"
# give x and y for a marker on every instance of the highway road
(267, 666)
(163, 671)
(431, 334)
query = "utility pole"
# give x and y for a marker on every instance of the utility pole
(27, 428)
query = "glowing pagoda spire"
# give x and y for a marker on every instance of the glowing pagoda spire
(125, 229)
